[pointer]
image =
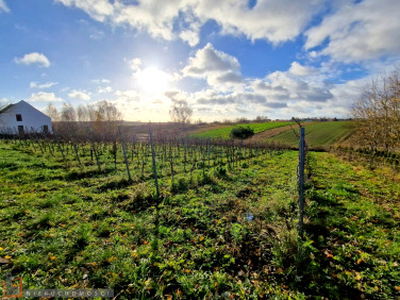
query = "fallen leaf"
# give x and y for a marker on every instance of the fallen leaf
(358, 276)
(327, 254)
(179, 293)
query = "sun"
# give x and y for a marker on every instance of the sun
(152, 80)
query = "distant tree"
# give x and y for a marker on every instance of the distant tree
(242, 133)
(67, 120)
(82, 113)
(107, 111)
(181, 112)
(260, 119)
(103, 117)
(242, 120)
(200, 122)
(68, 113)
(106, 119)
(226, 121)
(52, 112)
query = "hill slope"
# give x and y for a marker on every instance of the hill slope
(224, 131)
(318, 134)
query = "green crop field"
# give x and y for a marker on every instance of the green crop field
(223, 227)
(225, 131)
(319, 134)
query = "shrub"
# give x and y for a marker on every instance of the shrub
(240, 132)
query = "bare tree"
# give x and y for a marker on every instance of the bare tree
(107, 111)
(377, 113)
(106, 119)
(82, 113)
(67, 121)
(181, 112)
(52, 112)
(68, 113)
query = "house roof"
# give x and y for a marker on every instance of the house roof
(6, 108)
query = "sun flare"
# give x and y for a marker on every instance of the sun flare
(152, 80)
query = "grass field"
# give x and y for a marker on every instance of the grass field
(228, 233)
(225, 131)
(319, 134)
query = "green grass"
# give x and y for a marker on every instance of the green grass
(319, 134)
(353, 219)
(228, 232)
(225, 131)
(60, 224)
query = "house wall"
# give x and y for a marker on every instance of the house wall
(32, 119)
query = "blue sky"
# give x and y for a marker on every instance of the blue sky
(227, 59)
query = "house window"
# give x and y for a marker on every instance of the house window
(19, 118)
(45, 129)
(21, 129)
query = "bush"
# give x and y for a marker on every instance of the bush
(240, 132)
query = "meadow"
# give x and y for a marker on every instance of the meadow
(317, 134)
(223, 132)
(223, 226)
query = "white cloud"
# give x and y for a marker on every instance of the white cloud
(33, 58)
(4, 7)
(135, 64)
(351, 31)
(97, 9)
(299, 70)
(302, 90)
(46, 97)
(217, 67)
(82, 95)
(35, 85)
(107, 89)
(283, 86)
(99, 81)
(273, 20)
(97, 35)
(210, 60)
(190, 36)
(359, 31)
(128, 95)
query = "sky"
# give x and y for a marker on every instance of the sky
(227, 58)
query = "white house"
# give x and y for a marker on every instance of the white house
(22, 117)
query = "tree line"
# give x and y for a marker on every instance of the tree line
(101, 118)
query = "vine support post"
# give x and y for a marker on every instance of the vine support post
(124, 152)
(153, 155)
(302, 158)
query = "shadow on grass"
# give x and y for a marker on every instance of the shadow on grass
(77, 175)
(328, 228)
(114, 185)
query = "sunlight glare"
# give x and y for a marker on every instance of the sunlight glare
(152, 80)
